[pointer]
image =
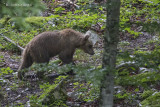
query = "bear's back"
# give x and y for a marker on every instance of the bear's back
(45, 42)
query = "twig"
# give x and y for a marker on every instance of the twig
(11, 41)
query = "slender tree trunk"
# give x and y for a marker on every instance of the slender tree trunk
(111, 39)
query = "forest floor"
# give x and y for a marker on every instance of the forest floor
(16, 91)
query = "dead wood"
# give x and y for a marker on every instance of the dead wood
(11, 41)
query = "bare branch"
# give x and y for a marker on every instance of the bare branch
(11, 41)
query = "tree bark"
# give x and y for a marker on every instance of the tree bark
(111, 40)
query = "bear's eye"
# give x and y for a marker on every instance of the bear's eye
(90, 46)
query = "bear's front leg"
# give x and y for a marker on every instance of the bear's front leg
(66, 57)
(66, 60)
(62, 63)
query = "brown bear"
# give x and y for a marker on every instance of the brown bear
(49, 44)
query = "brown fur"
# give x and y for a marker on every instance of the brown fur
(49, 44)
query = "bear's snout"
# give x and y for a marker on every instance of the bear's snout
(91, 53)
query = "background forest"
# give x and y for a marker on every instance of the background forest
(137, 76)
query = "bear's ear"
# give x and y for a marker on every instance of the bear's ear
(86, 37)
(84, 40)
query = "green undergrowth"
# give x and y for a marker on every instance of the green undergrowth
(143, 79)
(139, 13)
(80, 21)
(152, 101)
(137, 16)
(90, 73)
(83, 22)
(148, 59)
(86, 89)
(50, 95)
(37, 21)
(143, 82)
(41, 24)
(53, 96)
(147, 93)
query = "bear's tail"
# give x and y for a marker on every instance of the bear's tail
(26, 62)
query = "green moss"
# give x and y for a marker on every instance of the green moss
(152, 101)
(2, 21)
(5, 20)
(25, 23)
(37, 21)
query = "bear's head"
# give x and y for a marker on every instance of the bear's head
(87, 45)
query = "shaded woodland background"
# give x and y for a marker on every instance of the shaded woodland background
(137, 80)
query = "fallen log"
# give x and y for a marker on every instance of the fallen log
(55, 92)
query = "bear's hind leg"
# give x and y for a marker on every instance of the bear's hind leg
(26, 62)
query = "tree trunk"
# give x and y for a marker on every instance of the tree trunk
(111, 39)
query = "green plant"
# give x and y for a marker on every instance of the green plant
(14, 86)
(133, 10)
(123, 95)
(86, 91)
(1, 58)
(34, 101)
(17, 10)
(147, 93)
(45, 86)
(37, 21)
(77, 21)
(153, 100)
(6, 70)
(142, 80)
(59, 10)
